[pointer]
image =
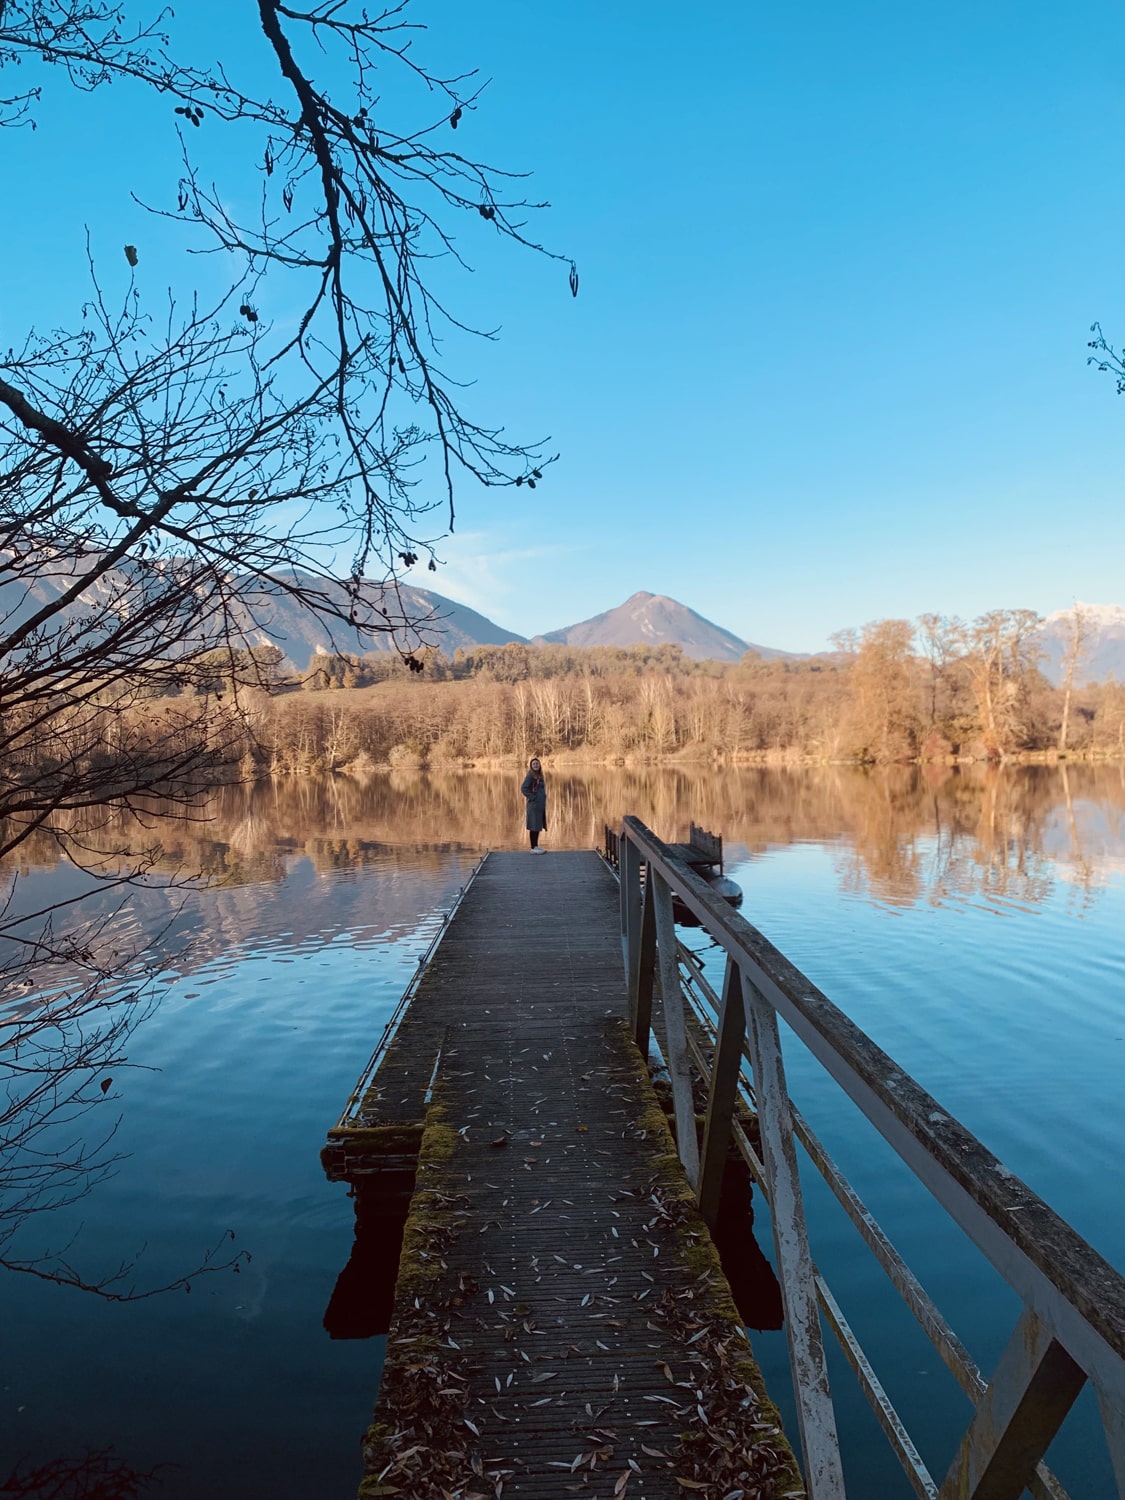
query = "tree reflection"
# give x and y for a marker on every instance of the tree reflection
(904, 834)
(97, 1475)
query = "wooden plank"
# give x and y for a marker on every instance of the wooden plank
(560, 1308)
(694, 857)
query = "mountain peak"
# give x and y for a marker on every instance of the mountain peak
(656, 620)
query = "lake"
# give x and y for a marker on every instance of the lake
(971, 920)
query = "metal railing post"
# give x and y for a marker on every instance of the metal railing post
(1113, 1420)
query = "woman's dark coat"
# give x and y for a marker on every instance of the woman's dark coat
(535, 790)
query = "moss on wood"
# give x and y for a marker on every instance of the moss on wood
(422, 1446)
(709, 1307)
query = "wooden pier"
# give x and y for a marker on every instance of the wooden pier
(561, 1322)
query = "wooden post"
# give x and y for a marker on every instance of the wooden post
(623, 924)
(629, 875)
(641, 978)
(723, 1093)
(1033, 1387)
(816, 1415)
(1113, 1420)
(672, 998)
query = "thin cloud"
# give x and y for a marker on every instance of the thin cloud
(488, 577)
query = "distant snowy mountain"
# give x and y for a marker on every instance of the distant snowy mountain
(655, 620)
(1105, 655)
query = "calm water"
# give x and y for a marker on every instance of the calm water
(973, 924)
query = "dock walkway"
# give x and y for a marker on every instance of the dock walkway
(561, 1322)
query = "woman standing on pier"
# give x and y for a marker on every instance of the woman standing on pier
(534, 789)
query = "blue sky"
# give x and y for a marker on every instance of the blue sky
(838, 267)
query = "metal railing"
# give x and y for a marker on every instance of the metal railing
(1072, 1326)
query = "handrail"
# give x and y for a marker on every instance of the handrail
(950, 1349)
(1073, 1324)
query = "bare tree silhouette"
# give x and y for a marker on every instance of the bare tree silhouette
(167, 471)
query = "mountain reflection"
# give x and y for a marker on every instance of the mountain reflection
(904, 834)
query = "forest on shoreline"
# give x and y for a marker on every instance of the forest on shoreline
(895, 692)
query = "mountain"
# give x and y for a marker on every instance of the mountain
(1105, 655)
(261, 616)
(655, 620)
(417, 618)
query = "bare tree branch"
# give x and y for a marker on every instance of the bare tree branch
(165, 475)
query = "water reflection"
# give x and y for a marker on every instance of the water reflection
(900, 836)
(905, 833)
(276, 977)
(271, 996)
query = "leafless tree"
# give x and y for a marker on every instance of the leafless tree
(884, 695)
(939, 639)
(1002, 650)
(167, 470)
(1080, 629)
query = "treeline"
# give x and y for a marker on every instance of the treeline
(514, 662)
(893, 691)
(652, 715)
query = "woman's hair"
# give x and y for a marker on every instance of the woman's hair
(534, 761)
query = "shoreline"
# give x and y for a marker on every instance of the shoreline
(576, 760)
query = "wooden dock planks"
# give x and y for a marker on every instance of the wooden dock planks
(561, 1322)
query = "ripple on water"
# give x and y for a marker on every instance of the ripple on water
(1007, 1004)
(259, 1032)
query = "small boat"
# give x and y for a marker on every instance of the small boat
(703, 853)
(722, 885)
